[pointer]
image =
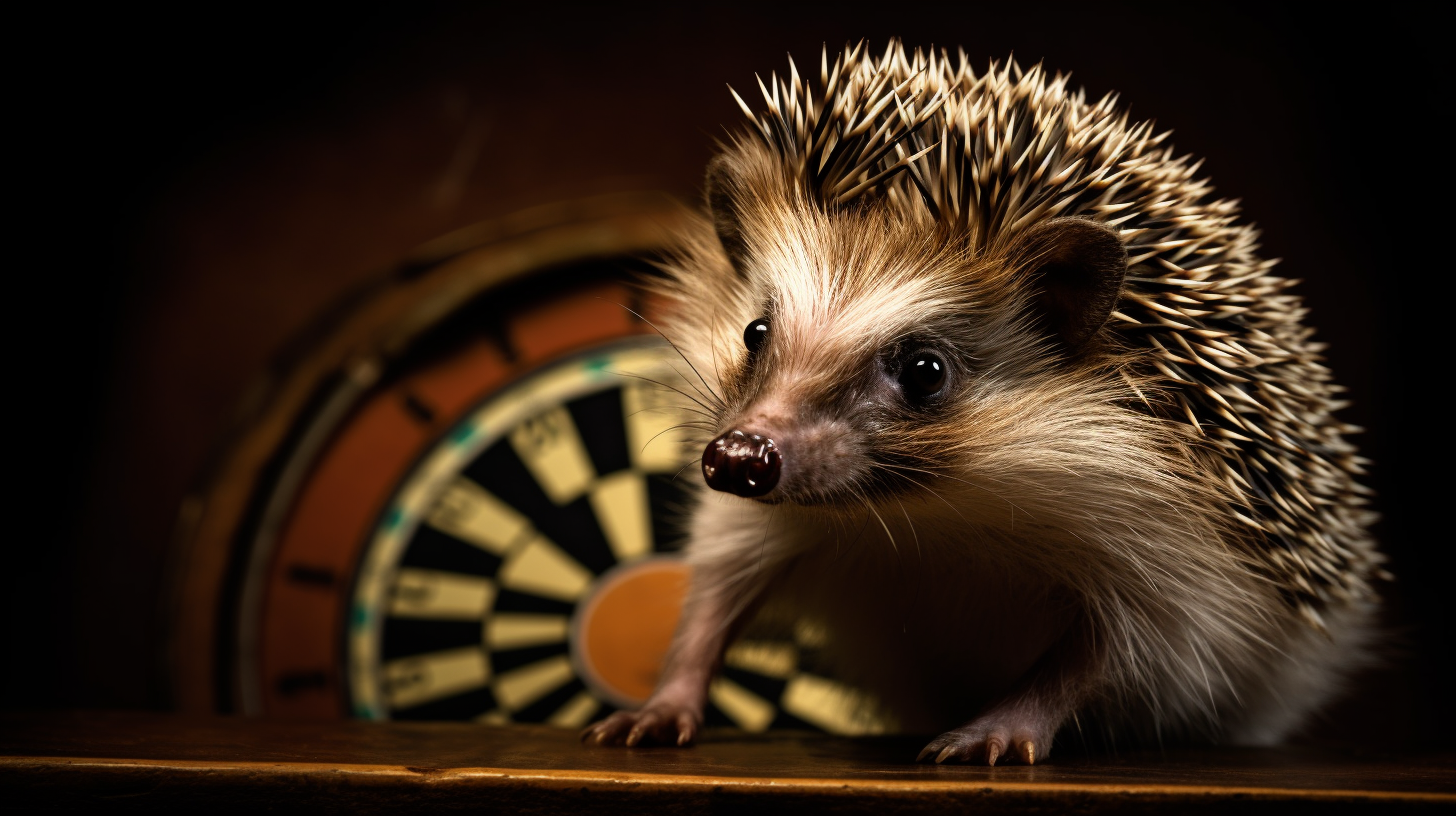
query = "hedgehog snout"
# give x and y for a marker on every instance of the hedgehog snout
(744, 464)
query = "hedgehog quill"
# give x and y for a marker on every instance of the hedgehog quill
(995, 392)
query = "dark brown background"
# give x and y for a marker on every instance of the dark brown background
(193, 189)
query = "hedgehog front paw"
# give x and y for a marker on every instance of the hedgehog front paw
(655, 724)
(987, 740)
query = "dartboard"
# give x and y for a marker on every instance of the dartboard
(465, 502)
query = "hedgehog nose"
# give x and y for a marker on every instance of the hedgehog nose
(741, 463)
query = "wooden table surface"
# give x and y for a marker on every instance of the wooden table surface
(143, 761)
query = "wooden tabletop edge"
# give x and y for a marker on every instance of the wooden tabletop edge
(685, 782)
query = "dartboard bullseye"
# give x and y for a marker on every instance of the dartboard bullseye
(624, 628)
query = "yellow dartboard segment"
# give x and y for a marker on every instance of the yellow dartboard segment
(551, 449)
(470, 513)
(414, 680)
(438, 595)
(625, 512)
(506, 630)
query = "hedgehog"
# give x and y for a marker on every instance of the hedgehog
(993, 392)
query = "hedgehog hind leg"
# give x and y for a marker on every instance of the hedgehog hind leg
(1311, 669)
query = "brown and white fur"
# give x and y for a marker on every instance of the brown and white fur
(1127, 504)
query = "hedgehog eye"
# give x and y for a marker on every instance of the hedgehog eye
(922, 375)
(755, 335)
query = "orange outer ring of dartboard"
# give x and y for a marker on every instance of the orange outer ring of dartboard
(301, 614)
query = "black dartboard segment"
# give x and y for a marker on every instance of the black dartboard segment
(470, 593)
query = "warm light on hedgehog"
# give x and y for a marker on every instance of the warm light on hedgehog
(995, 392)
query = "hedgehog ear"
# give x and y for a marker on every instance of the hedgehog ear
(722, 193)
(1077, 267)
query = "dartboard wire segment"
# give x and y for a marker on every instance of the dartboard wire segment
(524, 570)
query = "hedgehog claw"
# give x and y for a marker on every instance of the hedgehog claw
(985, 742)
(653, 725)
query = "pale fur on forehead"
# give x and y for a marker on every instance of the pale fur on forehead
(842, 283)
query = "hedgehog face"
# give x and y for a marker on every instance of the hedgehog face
(865, 348)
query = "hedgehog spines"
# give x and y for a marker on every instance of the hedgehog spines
(990, 153)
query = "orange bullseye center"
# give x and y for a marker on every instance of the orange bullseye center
(623, 630)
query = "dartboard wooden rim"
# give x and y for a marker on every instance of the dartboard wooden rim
(293, 410)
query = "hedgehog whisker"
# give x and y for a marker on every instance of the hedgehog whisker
(661, 333)
(915, 535)
(669, 429)
(680, 409)
(929, 490)
(983, 488)
(707, 410)
(871, 507)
